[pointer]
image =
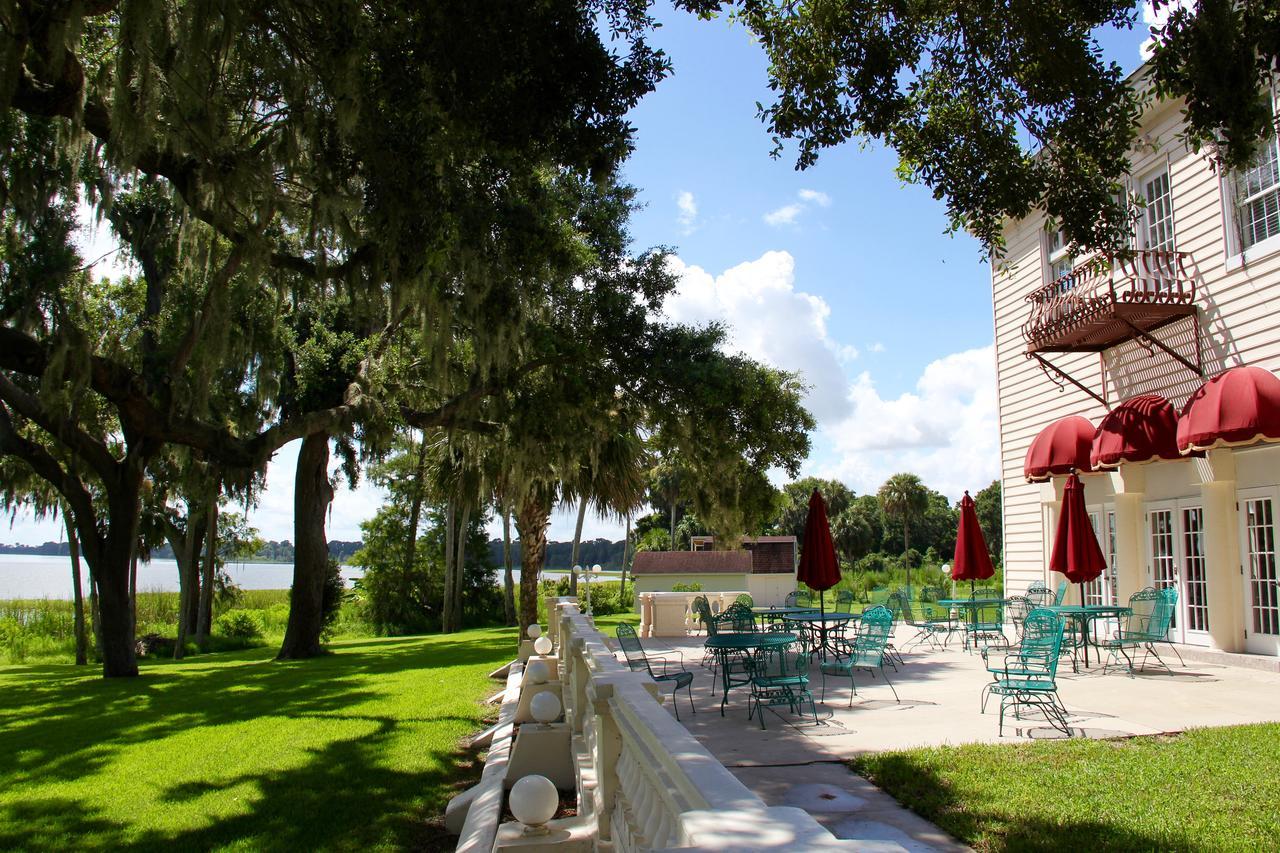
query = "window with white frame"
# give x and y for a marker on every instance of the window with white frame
(1156, 226)
(1257, 196)
(1058, 258)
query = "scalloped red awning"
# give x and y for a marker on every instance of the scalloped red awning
(1241, 405)
(1140, 429)
(1060, 448)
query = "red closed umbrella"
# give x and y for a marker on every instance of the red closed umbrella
(972, 561)
(1076, 552)
(818, 567)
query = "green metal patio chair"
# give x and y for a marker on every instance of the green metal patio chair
(780, 676)
(866, 650)
(1151, 612)
(1028, 677)
(1060, 594)
(844, 601)
(638, 661)
(1045, 629)
(1016, 608)
(737, 617)
(1039, 595)
(792, 599)
(739, 663)
(928, 627)
(984, 622)
(746, 599)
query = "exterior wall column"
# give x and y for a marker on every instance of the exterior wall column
(1130, 485)
(1050, 509)
(1222, 549)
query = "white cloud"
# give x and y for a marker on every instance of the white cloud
(814, 196)
(688, 207)
(875, 347)
(788, 214)
(783, 216)
(946, 430)
(768, 319)
(1155, 18)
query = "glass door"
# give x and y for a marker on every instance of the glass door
(1175, 550)
(1102, 589)
(1261, 576)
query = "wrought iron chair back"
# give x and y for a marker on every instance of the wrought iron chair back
(792, 598)
(844, 601)
(1016, 609)
(745, 599)
(1060, 594)
(1039, 595)
(637, 660)
(737, 617)
(780, 676)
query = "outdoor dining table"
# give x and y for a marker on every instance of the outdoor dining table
(727, 643)
(972, 605)
(1084, 615)
(805, 622)
(772, 614)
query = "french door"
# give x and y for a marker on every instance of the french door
(1258, 556)
(1176, 558)
(1103, 589)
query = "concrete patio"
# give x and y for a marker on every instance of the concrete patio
(798, 762)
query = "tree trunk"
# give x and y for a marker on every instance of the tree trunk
(626, 543)
(531, 523)
(460, 566)
(196, 533)
(508, 584)
(95, 614)
(204, 620)
(415, 512)
(672, 543)
(450, 557)
(77, 595)
(133, 589)
(311, 497)
(183, 543)
(577, 541)
(906, 546)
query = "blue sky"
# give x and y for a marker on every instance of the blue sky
(840, 272)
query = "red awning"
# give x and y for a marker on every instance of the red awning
(1240, 405)
(1140, 429)
(1060, 448)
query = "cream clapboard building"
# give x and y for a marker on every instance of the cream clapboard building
(1078, 339)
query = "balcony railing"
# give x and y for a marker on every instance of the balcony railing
(1108, 299)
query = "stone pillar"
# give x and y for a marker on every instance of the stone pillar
(1130, 484)
(1222, 549)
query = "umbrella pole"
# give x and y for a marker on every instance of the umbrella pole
(822, 623)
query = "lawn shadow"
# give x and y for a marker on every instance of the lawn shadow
(60, 724)
(919, 788)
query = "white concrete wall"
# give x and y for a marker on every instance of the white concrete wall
(764, 589)
(1236, 296)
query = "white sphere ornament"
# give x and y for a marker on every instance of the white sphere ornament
(533, 631)
(545, 707)
(542, 645)
(538, 672)
(597, 568)
(534, 800)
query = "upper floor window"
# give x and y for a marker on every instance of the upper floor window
(1058, 259)
(1155, 230)
(1257, 196)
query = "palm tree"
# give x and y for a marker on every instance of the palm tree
(905, 498)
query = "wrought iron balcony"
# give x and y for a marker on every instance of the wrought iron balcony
(1108, 299)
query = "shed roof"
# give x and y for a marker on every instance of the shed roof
(691, 563)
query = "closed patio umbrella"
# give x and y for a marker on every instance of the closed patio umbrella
(818, 567)
(1076, 552)
(972, 560)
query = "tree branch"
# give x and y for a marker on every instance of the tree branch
(79, 442)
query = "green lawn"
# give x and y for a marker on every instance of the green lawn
(1209, 789)
(355, 750)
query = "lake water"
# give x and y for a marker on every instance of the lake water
(24, 576)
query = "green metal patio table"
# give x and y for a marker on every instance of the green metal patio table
(806, 622)
(775, 614)
(729, 643)
(970, 605)
(1084, 615)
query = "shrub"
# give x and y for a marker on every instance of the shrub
(239, 625)
(335, 592)
(687, 587)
